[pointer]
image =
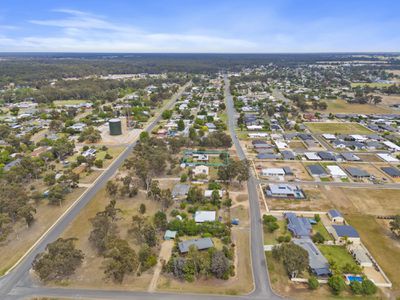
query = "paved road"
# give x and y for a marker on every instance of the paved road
(18, 276)
(18, 285)
(260, 273)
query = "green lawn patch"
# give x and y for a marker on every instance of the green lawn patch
(338, 254)
(319, 227)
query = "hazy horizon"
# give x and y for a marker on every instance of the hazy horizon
(226, 27)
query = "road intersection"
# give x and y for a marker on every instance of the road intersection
(17, 284)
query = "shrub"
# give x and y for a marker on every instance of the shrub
(98, 163)
(184, 177)
(268, 219)
(356, 287)
(337, 284)
(272, 226)
(317, 218)
(318, 238)
(368, 287)
(313, 283)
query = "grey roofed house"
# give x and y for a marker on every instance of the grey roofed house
(318, 264)
(268, 156)
(11, 164)
(287, 154)
(200, 244)
(317, 170)
(284, 190)
(391, 171)
(180, 190)
(288, 171)
(350, 157)
(305, 136)
(346, 231)
(254, 142)
(299, 227)
(326, 155)
(356, 172)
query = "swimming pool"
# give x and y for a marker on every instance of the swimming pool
(352, 278)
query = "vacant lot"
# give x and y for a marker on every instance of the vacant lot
(347, 200)
(339, 128)
(91, 273)
(380, 242)
(341, 106)
(68, 102)
(370, 84)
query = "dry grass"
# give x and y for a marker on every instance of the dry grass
(23, 238)
(380, 242)
(341, 106)
(90, 274)
(337, 127)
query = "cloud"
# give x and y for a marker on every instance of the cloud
(85, 32)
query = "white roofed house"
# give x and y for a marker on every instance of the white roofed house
(202, 216)
(387, 157)
(273, 172)
(312, 156)
(336, 172)
(201, 170)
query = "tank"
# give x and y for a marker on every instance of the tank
(115, 126)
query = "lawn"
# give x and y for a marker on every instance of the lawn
(68, 102)
(379, 241)
(319, 227)
(338, 254)
(338, 128)
(341, 106)
(270, 237)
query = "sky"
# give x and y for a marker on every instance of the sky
(191, 26)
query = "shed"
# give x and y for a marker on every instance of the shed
(343, 232)
(169, 235)
(335, 216)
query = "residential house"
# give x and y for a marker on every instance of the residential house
(200, 244)
(202, 216)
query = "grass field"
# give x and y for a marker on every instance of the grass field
(319, 227)
(339, 128)
(341, 106)
(370, 84)
(381, 244)
(338, 254)
(68, 102)
(270, 237)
